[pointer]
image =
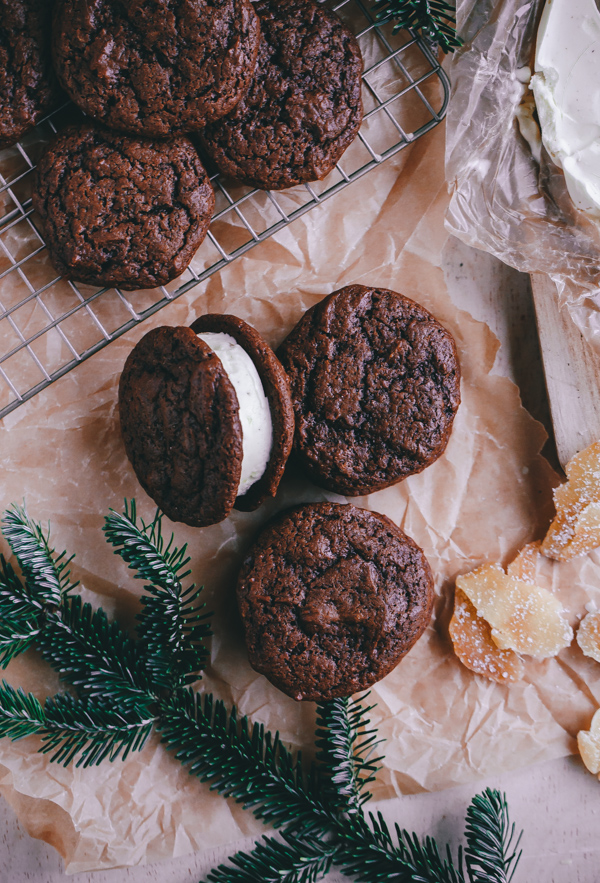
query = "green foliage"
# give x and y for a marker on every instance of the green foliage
(20, 713)
(243, 762)
(21, 616)
(345, 748)
(173, 623)
(92, 730)
(433, 19)
(127, 687)
(47, 575)
(491, 853)
(274, 861)
(95, 655)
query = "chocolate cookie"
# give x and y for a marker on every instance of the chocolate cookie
(207, 422)
(276, 387)
(121, 211)
(375, 383)
(332, 597)
(155, 67)
(304, 106)
(28, 87)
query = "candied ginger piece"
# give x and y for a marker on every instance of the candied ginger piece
(588, 635)
(524, 617)
(472, 640)
(575, 529)
(524, 565)
(588, 743)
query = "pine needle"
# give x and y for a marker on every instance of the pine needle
(20, 713)
(92, 731)
(290, 860)
(491, 853)
(346, 747)
(247, 764)
(432, 19)
(46, 573)
(173, 624)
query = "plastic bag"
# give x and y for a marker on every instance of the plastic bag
(504, 200)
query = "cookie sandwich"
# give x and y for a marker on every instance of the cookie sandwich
(206, 418)
(375, 383)
(331, 598)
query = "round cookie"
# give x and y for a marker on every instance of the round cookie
(182, 420)
(277, 389)
(375, 383)
(155, 67)
(28, 87)
(121, 211)
(304, 106)
(332, 597)
(180, 425)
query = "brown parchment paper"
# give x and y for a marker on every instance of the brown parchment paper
(488, 495)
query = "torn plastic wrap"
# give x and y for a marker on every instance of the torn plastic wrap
(507, 196)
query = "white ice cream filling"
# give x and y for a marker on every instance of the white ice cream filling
(567, 96)
(255, 413)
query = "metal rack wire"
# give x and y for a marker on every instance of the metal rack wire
(49, 325)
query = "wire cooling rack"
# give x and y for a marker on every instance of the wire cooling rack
(49, 325)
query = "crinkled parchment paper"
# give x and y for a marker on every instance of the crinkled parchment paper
(489, 494)
(503, 200)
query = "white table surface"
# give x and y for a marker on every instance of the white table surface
(557, 803)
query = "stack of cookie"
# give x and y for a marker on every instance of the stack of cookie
(366, 387)
(271, 91)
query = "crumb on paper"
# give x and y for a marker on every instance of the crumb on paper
(472, 640)
(523, 616)
(575, 529)
(588, 743)
(588, 635)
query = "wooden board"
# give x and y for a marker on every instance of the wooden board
(572, 370)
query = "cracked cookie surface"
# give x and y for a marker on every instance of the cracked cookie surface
(28, 87)
(155, 67)
(180, 425)
(303, 108)
(375, 383)
(117, 210)
(332, 597)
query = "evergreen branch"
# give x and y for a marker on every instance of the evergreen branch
(20, 713)
(173, 624)
(95, 655)
(367, 851)
(432, 19)
(47, 575)
(20, 615)
(273, 861)
(143, 548)
(491, 853)
(345, 751)
(92, 731)
(249, 765)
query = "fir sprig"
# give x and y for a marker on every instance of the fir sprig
(47, 574)
(246, 763)
(345, 748)
(432, 19)
(492, 844)
(173, 624)
(290, 860)
(126, 687)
